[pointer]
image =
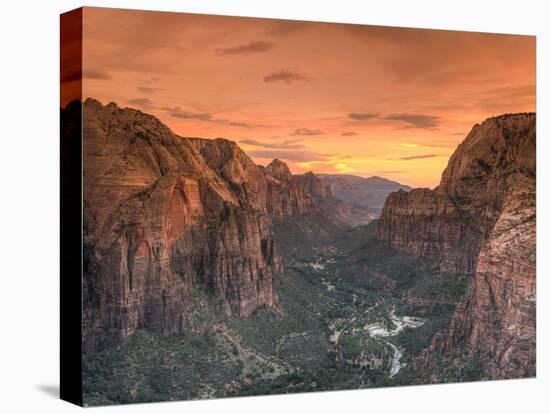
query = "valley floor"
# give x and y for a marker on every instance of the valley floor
(352, 313)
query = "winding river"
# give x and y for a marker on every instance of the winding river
(379, 332)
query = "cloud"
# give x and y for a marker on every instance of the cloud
(362, 116)
(147, 89)
(418, 157)
(414, 62)
(307, 132)
(177, 112)
(506, 99)
(285, 145)
(247, 49)
(141, 102)
(285, 27)
(391, 172)
(430, 144)
(284, 76)
(292, 141)
(91, 73)
(241, 124)
(409, 120)
(415, 120)
(327, 167)
(295, 156)
(348, 134)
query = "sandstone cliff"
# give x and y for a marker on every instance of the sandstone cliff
(167, 216)
(481, 220)
(288, 194)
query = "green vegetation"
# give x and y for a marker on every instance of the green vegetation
(324, 377)
(337, 283)
(156, 368)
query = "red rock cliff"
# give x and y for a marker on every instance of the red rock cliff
(165, 216)
(292, 194)
(481, 221)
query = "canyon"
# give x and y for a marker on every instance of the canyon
(165, 216)
(191, 246)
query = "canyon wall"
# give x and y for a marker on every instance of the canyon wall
(167, 217)
(481, 220)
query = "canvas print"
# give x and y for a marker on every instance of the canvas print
(276, 206)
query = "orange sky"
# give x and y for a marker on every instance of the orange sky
(363, 100)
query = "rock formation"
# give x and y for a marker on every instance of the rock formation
(288, 194)
(166, 217)
(481, 221)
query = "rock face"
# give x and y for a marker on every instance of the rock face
(166, 217)
(288, 195)
(456, 218)
(481, 221)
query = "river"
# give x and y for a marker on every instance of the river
(379, 332)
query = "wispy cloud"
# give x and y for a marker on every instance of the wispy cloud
(285, 27)
(147, 89)
(241, 124)
(141, 102)
(418, 157)
(328, 166)
(284, 76)
(180, 113)
(177, 112)
(348, 134)
(247, 49)
(505, 99)
(91, 73)
(430, 144)
(293, 155)
(307, 132)
(415, 120)
(293, 140)
(285, 145)
(406, 119)
(362, 116)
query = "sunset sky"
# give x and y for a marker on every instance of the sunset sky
(330, 98)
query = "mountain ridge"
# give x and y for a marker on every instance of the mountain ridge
(169, 218)
(166, 216)
(370, 192)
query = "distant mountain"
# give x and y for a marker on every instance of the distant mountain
(368, 192)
